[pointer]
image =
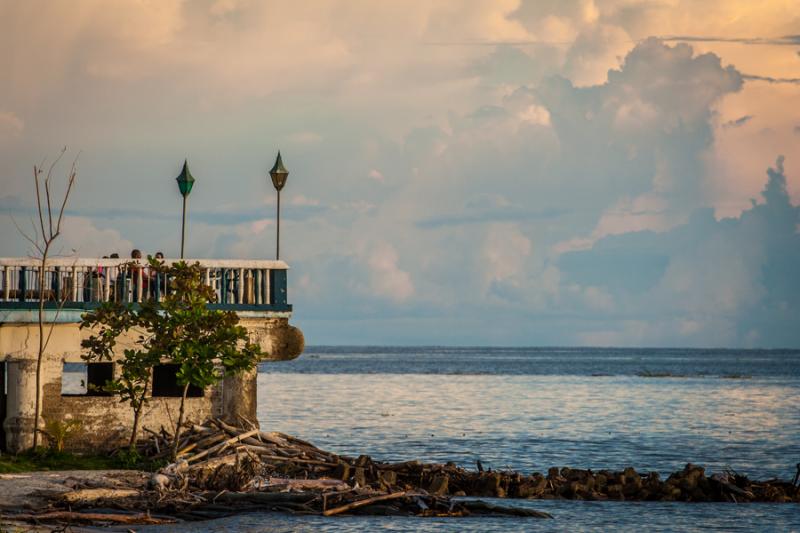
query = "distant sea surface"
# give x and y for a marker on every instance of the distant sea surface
(528, 409)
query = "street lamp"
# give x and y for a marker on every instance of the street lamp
(185, 182)
(278, 175)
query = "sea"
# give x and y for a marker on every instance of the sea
(527, 409)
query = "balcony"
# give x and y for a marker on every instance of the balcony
(74, 284)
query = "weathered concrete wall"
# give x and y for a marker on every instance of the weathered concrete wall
(105, 422)
(280, 340)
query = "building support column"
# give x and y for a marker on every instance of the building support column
(240, 397)
(21, 405)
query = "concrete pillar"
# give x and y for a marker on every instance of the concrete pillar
(239, 397)
(21, 407)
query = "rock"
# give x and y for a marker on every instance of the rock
(341, 471)
(532, 487)
(388, 478)
(360, 477)
(614, 491)
(489, 484)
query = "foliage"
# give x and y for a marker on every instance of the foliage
(131, 383)
(204, 343)
(58, 431)
(48, 459)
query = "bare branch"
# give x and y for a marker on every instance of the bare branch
(35, 230)
(27, 237)
(37, 171)
(70, 182)
(47, 190)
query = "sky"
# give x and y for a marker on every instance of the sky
(462, 172)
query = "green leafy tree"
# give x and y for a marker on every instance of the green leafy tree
(132, 383)
(204, 343)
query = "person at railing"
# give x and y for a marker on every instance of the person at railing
(93, 284)
(158, 285)
(137, 275)
(112, 280)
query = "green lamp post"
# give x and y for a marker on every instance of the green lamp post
(278, 175)
(185, 182)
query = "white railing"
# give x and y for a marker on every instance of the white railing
(85, 280)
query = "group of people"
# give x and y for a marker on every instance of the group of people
(133, 283)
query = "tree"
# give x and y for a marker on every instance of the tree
(204, 343)
(42, 239)
(132, 384)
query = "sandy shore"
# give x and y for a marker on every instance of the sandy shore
(28, 491)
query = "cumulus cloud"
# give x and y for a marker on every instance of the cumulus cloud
(731, 279)
(386, 277)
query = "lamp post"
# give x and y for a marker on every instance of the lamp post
(278, 175)
(185, 182)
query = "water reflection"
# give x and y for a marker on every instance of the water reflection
(534, 422)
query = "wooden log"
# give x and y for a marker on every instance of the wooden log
(215, 462)
(279, 459)
(186, 449)
(93, 495)
(237, 438)
(260, 498)
(274, 438)
(367, 501)
(306, 484)
(207, 441)
(480, 507)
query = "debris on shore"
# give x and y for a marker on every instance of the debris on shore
(222, 470)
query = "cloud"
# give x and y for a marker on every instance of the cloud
(10, 125)
(786, 40)
(654, 116)
(741, 121)
(386, 278)
(732, 279)
(484, 215)
(87, 240)
(551, 179)
(376, 175)
(771, 79)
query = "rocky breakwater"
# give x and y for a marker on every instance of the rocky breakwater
(688, 485)
(691, 484)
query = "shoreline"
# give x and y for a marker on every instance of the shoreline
(227, 471)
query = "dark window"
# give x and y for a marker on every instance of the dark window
(97, 374)
(166, 384)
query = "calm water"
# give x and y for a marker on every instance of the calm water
(529, 409)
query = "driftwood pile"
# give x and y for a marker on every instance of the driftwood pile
(239, 469)
(222, 470)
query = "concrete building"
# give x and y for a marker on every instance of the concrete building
(255, 290)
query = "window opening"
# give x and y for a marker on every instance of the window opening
(165, 383)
